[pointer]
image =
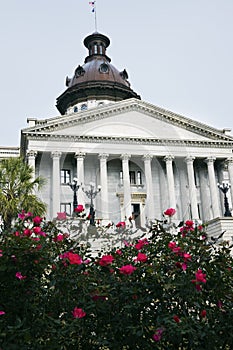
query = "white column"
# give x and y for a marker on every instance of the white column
(126, 185)
(192, 188)
(80, 176)
(104, 185)
(170, 181)
(230, 172)
(213, 186)
(149, 187)
(56, 183)
(31, 158)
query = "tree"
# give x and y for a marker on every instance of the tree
(17, 190)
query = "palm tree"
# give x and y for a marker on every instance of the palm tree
(17, 190)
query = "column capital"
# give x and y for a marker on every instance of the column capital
(146, 157)
(103, 156)
(56, 154)
(229, 160)
(168, 158)
(125, 156)
(189, 159)
(210, 160)
(80, 155)
(31, 153)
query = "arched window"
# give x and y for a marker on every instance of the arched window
(75, 109)
(95, 49)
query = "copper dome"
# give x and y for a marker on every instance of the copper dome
(97, 79)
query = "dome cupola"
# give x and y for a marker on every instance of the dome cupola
(96, 80)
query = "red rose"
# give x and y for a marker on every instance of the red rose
(203, 313)
(79, 208)
(170, 212)
(106, 260)
(176, 318)
(120, 224)
(127, 269)
(74, 259)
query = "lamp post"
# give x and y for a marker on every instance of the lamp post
(91, 194)
(224, 187)
(74, 186)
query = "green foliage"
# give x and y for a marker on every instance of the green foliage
(17, 190)
(147, 295)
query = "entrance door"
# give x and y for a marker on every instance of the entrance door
(136, 214)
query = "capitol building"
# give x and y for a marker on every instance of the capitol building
(145, 158)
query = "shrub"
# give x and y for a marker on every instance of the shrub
(166, 291)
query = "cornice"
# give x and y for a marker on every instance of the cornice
(130, 140)
(58, 123)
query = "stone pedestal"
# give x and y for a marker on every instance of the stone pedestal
(218, 225)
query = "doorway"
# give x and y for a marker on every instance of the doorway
(136, 214)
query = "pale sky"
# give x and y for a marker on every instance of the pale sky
(178, 54)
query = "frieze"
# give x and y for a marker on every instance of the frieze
(131, 140)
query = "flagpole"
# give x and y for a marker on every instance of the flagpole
(95, 18)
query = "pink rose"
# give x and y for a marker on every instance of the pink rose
(158, 334)
(37, 220)
(141, 243)
(20, 276)
(141, 257)
(59, 238)
(61, 216)
(127, 269)
(78, 313)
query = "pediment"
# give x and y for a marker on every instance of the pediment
(128, 119)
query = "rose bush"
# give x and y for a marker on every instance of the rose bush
(165, 291)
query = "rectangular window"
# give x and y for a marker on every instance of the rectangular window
(139, 178)
(121, 177)
(132, 177)
(65, 176)
(65, 208)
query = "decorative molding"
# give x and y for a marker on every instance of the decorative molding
(130, 140)
(168, 158)
(103, 156)
(31, 154)
(125, 156)
(189, 159)
(136, 197)
(56, 154)
(210, 160)
(147, 157)
(80, 155)
(229, 161)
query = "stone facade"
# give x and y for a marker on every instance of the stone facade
(146, 159)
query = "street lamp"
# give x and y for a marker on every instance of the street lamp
(74, 186)
(91, 194)
(224, 188)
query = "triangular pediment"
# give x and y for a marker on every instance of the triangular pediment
(128, 119)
